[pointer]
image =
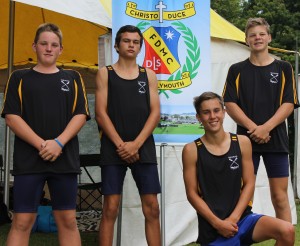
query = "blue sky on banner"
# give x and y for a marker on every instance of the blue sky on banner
(176, 47)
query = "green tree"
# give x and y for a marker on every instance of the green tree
(282, 15)
(229, 9)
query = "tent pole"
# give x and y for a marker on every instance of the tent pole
(7, 130)
(162, 197)
(119, 223)
(296, 123)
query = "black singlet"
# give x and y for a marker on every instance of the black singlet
(220, 183)
(47, 103)
(128, 107)
(259, 91)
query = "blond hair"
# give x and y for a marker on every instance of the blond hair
(252, 22)
(48, 27)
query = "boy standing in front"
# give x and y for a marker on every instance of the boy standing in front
(259, 94)
(127, 112)
(45, 107)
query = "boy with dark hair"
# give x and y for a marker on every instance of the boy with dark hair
(127, 111)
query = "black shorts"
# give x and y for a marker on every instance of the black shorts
(28, 190)
(144, 175)
(277, 164)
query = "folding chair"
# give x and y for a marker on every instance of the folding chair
(89, 193)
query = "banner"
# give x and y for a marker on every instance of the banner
(177, 48)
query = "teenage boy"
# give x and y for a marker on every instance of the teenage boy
(127, 111)
(45, 107)
(259, 94)
(219, 180)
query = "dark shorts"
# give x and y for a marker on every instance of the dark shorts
(277, 164)
(144, 175)
(28, 190)
(244, 235)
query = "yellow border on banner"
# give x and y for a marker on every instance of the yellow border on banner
(187, 12)
(185, 81)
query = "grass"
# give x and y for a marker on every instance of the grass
(91, 238)
(47, 239)
(180, 129)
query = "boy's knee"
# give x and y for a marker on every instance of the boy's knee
(66, 221)
(151, 211)
(23, 225)
(287, 233)
(110, 212)
(280, 201)
(290, 233)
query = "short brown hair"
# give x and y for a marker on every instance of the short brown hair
(204, 97)
(48, 27)
(252, 22)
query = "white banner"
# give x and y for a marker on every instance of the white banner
(177, 47)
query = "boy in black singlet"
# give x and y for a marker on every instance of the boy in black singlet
(259, 94)
(127, 111)
(219, 180)
(45, 107)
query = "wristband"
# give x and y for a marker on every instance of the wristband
(59, 143)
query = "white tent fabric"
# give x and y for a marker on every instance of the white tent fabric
(90, 10)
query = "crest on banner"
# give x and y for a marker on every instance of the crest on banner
(163, 41)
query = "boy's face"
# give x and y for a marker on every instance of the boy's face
(211, 115)
(47, 48)
(129, 45)
(258, 38)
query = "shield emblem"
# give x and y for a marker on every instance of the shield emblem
(161, 54)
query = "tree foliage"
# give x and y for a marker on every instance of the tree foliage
(282, 15)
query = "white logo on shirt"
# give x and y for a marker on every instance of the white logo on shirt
(233, 160)
(65, 86)
(274, 78)
(142, 89)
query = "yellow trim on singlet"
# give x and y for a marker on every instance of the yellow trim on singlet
(234, 138)
(198, 143)
(224, 89)
(282, 88)
(237, 84)
(75, 98)
(20, 94)
(76, 93)
(294, 88)
(84, 94)
(19, 90)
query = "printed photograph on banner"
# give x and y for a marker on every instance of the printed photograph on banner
(177, 48)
